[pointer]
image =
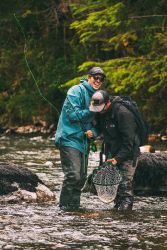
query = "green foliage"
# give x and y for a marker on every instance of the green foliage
(128, 39)
(96, 23)
(32, 69)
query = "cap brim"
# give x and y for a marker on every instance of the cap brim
(98, 108)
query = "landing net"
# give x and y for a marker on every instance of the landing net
(106, 180)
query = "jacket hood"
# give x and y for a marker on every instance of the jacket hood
(113, 100)
(116, 99)
(89, 88)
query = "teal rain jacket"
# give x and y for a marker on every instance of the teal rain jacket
(75, 118)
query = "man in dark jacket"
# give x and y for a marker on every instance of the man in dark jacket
(119, 130)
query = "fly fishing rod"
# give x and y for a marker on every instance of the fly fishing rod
(29, 68)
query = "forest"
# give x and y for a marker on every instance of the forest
(47, 46)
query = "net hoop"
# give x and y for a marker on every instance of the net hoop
(106, 175)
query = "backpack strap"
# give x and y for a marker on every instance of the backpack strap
(115, 108)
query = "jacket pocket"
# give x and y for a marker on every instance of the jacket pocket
(111, 130)
(77, 135)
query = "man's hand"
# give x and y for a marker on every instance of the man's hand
(89, 134)
(113, 161)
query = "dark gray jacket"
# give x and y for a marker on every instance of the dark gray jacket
(119, 128)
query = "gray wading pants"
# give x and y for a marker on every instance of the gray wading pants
(125, 189)
(74, 165)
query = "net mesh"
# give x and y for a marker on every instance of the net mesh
(106, 180)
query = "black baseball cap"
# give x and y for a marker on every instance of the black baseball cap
(99, 100)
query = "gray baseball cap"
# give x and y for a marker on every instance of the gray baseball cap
(98, 101)
(95, 71)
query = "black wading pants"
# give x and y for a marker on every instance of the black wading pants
(74, 165)
(125, 189)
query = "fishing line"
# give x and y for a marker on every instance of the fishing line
(29, 68)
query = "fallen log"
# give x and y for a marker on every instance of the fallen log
(151, 174)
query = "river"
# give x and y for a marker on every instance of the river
(96, 226)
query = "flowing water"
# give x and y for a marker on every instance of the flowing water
(96, 226)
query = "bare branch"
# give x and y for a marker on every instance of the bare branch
(147, 16)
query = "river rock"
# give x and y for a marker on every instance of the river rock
(21, 184)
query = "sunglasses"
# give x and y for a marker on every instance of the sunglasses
(100, 78)
(96, 102)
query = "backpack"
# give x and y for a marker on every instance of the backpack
(142, 127)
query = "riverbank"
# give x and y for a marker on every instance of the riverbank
(42, 128)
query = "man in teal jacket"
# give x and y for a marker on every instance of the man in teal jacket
(73, 134)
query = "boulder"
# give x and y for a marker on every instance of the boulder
(21, 184)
